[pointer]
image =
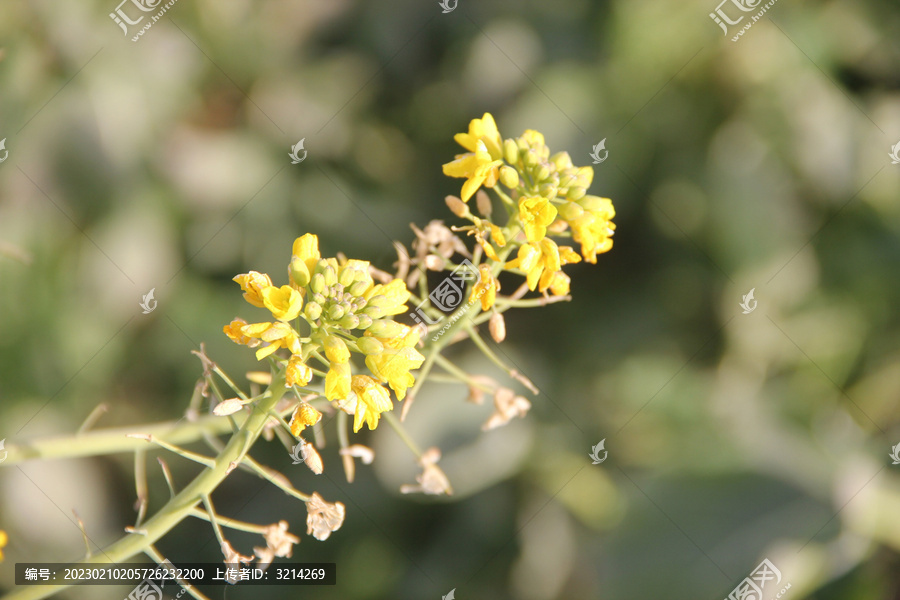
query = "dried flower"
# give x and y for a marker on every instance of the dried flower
(497, 327)
(507, 406)
(304, 416)
(323, 517)
(432, 481)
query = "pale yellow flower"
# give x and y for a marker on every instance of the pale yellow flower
(304, 416)
(478, 168)
(486, 289)
(278, 334)
(372, 399)
(536, 214)
(283, 302)
(482, 130)
(234, 331)
(253, 283)
(393, 365)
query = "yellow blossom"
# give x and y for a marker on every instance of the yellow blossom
(304, 416)
(477, 167)
(594, 228)
(395, 296)
(297, 372)
(4, 539)
(253, 283)
(372, 399)
(279, 335)
(284, 303)
(393, 365)
(559, 286)
(540, 262)
(234, 331)
(536, 214)
(336, 350)
(486, 289)
(497, 236)
(482, 130)
(337, 381)
(306, 248)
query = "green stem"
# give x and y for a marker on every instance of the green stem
(398, 427)
(182, 505)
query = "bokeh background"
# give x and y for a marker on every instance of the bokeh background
(759, 164)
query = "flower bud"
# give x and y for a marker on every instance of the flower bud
(312, 310)
(570, 211)
(365, 321)
(358, 288)
(317, 283)
(347, 277)
(497, 327)
(530, 158)
(369, 345)
(319, 298)
(336, 312)
(509, 177)
(349, 322)
(386, 328)
(576, 193)
(548, 191)
(336, 350)
(542, 173)
(330, 275)
(457, 206)
(298, 272)
(376, 312)
(485, 207)
(510, 151)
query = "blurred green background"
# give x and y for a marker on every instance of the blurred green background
(759, 164)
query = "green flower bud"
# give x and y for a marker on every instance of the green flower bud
(576, 193)
(376, 312)
(359, 288)
(510, 151)
(317, 283)
(509, 177)
(570, 211)
(369, 345)
(530, 158)
(298, 272)
(335, 312)
(329, 275)
(347, 277)
(386, 328)
(365, 321)
(542, 173)
(312, 310)
(349, 322)
(548, 191)
(378, 300)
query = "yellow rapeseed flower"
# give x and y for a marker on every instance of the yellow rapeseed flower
(482, 130)
(279, 335)
(4, 539)
(304, 416)
(337, 381)
(477, 167)
(253, 283)
(336, 350)
(536, 214)
(297, 372)
(486, 289)
(234, 330)
(372, 399)
(541, 261)
(594, 228)
(395, 296)
(283, 302)
(393, 365)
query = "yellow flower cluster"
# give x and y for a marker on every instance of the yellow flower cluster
(330, 309)
(547, 194)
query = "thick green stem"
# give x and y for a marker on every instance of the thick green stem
(182, 505)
